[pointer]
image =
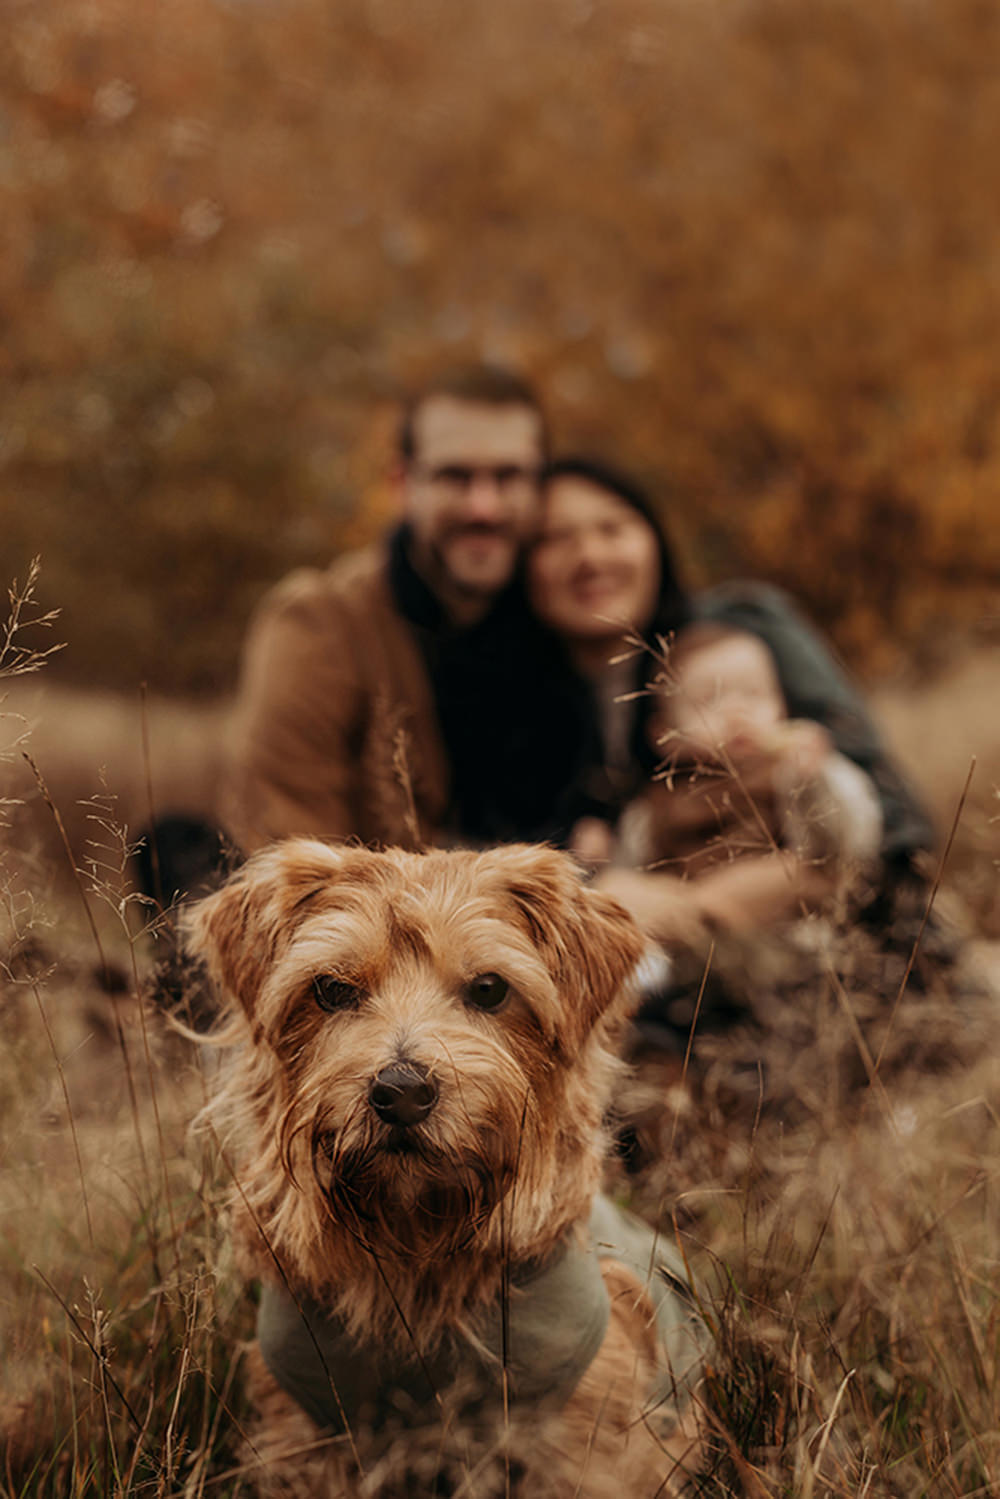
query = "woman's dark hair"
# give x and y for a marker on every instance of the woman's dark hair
(672, 605)
(671, 613)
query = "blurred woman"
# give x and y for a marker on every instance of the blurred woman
(602, 578)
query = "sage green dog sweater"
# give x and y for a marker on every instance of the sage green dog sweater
(556, 1316)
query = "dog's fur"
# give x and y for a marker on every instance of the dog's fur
(404, 1239)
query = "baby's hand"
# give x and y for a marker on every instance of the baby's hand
(801, 748)
(592, 841)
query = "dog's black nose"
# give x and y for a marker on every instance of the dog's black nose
(403, 1094)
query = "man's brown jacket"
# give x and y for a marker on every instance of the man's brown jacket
(335, 733)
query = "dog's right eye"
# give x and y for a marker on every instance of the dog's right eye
(487, 992)
(333, 993)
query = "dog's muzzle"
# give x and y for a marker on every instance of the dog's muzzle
(403, 1093)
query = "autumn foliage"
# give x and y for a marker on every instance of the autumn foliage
(748, 247)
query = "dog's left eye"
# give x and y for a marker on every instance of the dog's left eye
(333, 993)
(487, 991)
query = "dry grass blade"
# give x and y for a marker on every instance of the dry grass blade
(16, 658)
(279, 1267)
(99, 1354)
(70, 1119)
(931, 897)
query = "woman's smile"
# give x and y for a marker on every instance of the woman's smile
(595, 566)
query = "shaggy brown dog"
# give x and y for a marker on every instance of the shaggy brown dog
(424, 1053)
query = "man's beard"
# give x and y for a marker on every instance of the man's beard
(437, 554)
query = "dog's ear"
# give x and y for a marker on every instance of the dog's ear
(589, 943)
(239, 930)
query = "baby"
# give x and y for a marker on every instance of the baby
(740, 777)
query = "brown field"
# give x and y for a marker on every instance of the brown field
(749, 247)
(842, 1222)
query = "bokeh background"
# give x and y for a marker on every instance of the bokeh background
(750, 247)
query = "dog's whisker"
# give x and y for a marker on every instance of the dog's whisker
(289, 1132)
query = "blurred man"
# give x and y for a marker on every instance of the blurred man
(355, 678)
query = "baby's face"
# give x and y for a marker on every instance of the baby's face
(727, 696)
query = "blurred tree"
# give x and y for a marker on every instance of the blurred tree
(751, 250)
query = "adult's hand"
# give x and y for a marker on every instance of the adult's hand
(666, 908)
(756, 893)
(744, 896)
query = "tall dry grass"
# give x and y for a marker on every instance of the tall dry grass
(119, 1324)
(843, 1233)
(830, 1167)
